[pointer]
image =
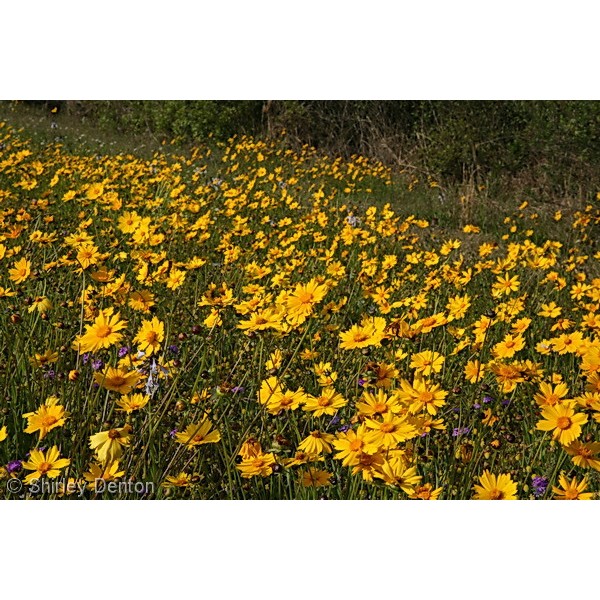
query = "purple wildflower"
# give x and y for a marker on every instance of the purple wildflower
(50, 374)
(345, 428)
(173, 432)
(476, 405)
(540, 484)
(173, 349)
(97, 364)
(461, 431)
(123, 351)
(505, 402)
(334, 421)
(14, 466)
(361, 382)
(488, 399)
(237, 389)
(85, 358)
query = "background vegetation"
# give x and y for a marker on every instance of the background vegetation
(546, 149)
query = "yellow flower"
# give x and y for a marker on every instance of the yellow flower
(563, 421)
(21, 271)
(48, 464)
(351, 444)
(198, 434)
(315, 478)
(427, 362)
(571, 490)
(369, 333)
(316, 443)
(42, 304)
(426, 492)
(261, 464)
(584, 455)
(103, 333)
(3, 433)
(94, 191)
(378, 405)
(422, 394)
(48, 416)
(474, 371)
(47, 357)
(390, 431)
(492, 487)
(129, 403)
(326, 404)
(509, 346)
(150, 336)
(551, 396)
(301, 301)
(106, 473)
(109, 445)
(117, 380)
(395, 472)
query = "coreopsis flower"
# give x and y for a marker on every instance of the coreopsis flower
(109, 444)
(261, 464)
(48, 416)
(567, 343)
(315, 478)
(427, 362)
(585, 455)
(45, 358)
(286, 400)
(352, 443)
(150, 336)
(426, 492)
(268, 389)
(551, 396)
(42, 304)
(117, 380)
(103, 333)
(474, 371)
(142, 300)
(550, 310)
(509, 346)
(422, 395)
(495, 487)
(563, 421)
(131, 402)
(88, 255)
(94, 191)
(370, 332)
(327, 403)
(379, 404)
(261, 320)
(109, 472)
(505, 285)
(317, 442)
(197, 434)
(368, 465)
(390, 431)
(3, 433)
(183, 479)
(396, 473)
(301, 458)
(20, 271)
(571, 490)
(384, 374)
(301, 301)
(47, 463)
(250, 448)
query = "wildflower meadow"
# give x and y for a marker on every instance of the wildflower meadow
(243, 320)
